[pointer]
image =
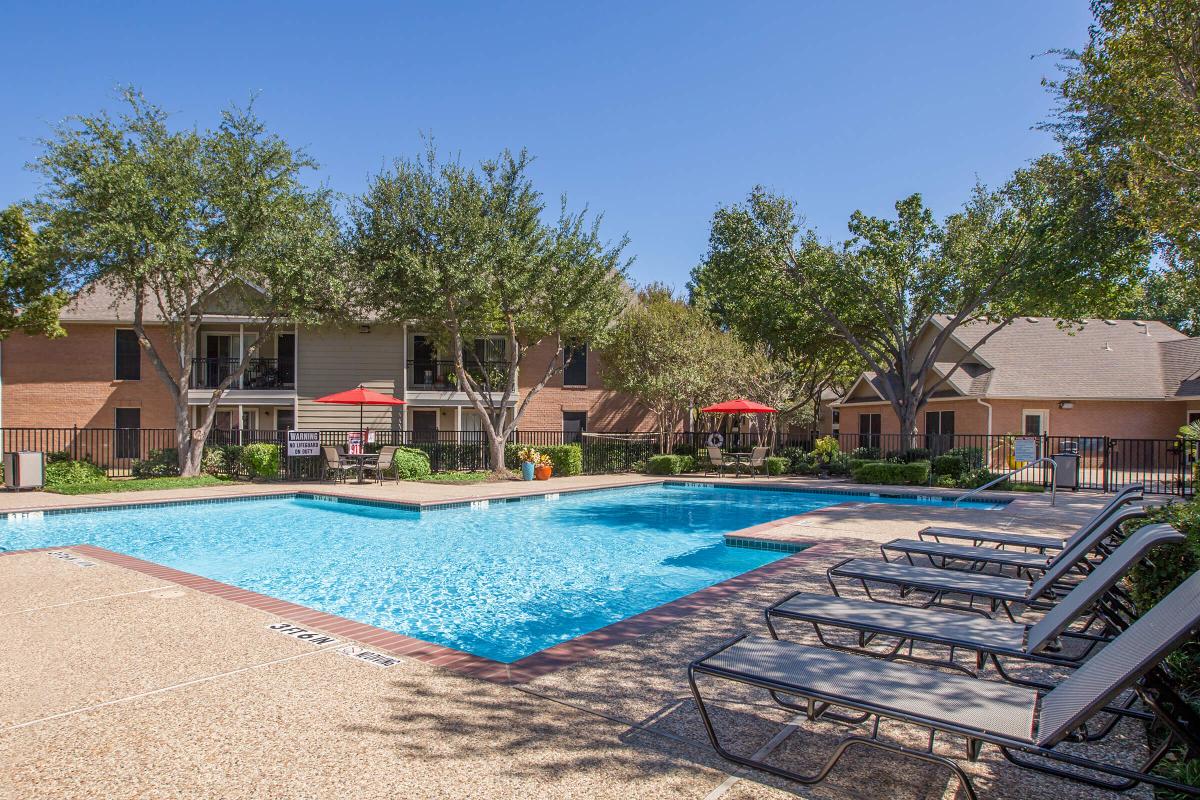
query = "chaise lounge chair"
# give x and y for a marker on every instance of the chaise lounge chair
(1130, 493)
(1020, 721)
(946, 555)
(984, 637)
(999, 591)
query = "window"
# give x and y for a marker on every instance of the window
(1193, 416)
(128, 424)
(574, 424)
(869, 428)
(1034, 422)
(285, 419)
(939, 431)
(129, 356)
(575, 359)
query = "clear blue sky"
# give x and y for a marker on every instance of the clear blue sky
(654, 113)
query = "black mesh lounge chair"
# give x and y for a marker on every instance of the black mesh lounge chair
(1021, 721)
(900, 626)
(1130, 493)
(999, 591)
(950, 555)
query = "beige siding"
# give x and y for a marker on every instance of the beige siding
(334, 360)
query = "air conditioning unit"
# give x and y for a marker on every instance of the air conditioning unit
(25, 469)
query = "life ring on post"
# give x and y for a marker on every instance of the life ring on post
(715, 439)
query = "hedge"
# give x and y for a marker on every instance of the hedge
(777, 465)
(953, 466)
(915, 473)
(411, 464)
(162, 463)
(670, 465)
(566, 458)
(65, 473)
(261, 460)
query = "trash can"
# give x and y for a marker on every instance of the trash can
(25, 469)
(1066, 470)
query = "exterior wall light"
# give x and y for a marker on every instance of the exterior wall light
(1066, 404)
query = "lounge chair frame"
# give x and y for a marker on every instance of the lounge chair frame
(1092, 601)
(1156, 693)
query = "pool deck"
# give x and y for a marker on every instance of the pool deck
(120, 681)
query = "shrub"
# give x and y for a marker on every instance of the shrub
(65, 473)
(825, 449)
(885, 473)
(411, 464)
(162, 463)
(865, 453)
(949, 466)
(909, 455)
(973, 479)
(853, 464)
(795, 457)
(1153, 579)
(670, 465)
(261, 460)
(777, 465)
(223, 460)
(566, 458)
(972, 457)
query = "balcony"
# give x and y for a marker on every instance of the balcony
(262, 373)
(439, 376)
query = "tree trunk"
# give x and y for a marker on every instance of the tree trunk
(496, 448)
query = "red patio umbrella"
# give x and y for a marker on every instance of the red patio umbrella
(739, 406)
(360, 397)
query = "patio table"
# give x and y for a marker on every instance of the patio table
(361, 459)
(738, 458)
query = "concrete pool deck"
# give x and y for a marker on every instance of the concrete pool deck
(116, 684)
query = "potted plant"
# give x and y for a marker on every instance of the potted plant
(824, 451)
(529, 459)
(544, 467)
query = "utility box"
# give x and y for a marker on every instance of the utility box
(1066, 470)
(25, 469)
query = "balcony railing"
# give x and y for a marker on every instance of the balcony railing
(440, 375)
(261, 373)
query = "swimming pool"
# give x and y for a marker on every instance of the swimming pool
(501, 581)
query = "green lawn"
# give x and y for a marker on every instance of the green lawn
(137, 485)
(458, 477)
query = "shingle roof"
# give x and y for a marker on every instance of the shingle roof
(1033, 357)
(1118, 359)
(97, 302)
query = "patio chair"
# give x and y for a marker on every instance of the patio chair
(335, 468)
(1020, 721)
(717, 462)
(999, 591)
(1130, 493)
(986, 638)
(384, 463)
(964, 556)
(758, 460)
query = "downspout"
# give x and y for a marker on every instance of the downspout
(988, 406)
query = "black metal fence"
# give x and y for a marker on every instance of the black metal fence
(1165, 466)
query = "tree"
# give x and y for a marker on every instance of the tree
(671, 358)
(1131, 100)
(465, 251)
(186, 223)
(32, 283)
(1173, 296)
(1043, 244)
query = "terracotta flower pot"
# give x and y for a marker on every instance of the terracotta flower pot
(542, 473)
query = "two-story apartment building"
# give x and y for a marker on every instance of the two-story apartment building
(98, 377)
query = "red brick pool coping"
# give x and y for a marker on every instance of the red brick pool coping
(526, 669)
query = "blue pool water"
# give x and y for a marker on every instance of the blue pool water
(501, 582)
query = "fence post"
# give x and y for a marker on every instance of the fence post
(75, 441)
(1104, 462)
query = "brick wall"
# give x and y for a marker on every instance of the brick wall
(606, 410)
(1118, 419)
(69, 381)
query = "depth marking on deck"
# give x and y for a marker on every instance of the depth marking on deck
(303, 634)
(70, 558)
(369, 656)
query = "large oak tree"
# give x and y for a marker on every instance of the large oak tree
(183, 223)
(466, 252)
(1046, 243)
